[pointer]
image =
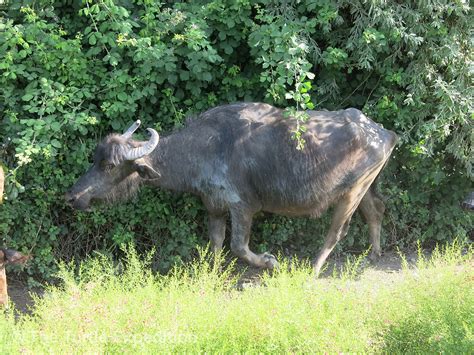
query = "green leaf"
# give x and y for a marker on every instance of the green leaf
(55, 126)
(122, 96)
(207, 76)
(184, 75)
(116, 125)
(55, 143)
(92, 39)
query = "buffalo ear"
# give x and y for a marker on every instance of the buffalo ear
(146, 171)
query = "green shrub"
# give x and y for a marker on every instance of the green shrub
(70, 72)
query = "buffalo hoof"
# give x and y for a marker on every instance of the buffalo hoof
(270, 261)
(374, 257)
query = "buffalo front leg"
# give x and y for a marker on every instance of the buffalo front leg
(217, 232)
(239, 244)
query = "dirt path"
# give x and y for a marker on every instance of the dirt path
(21, 296)
(389, 263)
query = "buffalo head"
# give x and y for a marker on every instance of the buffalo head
(120, 164)
(8, 256)
(12, 256)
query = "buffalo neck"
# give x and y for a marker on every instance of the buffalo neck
(175, 159)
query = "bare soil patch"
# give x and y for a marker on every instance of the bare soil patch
(22, 296)
(389, 263)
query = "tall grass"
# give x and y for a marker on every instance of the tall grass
(104, 307)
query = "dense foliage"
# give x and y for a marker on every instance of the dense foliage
(72, 71)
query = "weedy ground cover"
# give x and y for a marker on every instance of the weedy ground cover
(102, 306)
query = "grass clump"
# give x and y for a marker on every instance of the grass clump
(432, 310)
(106, 307)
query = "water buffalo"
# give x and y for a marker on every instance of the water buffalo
(240, 159)
(468, 203)
(13, 257)
(7, 256)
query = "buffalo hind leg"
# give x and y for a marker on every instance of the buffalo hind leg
(239, 244)
(217, 231)
(372, 209)
(337, 231)
(342, 216)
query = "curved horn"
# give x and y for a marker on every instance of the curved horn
(128, 133)
(146, 148)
